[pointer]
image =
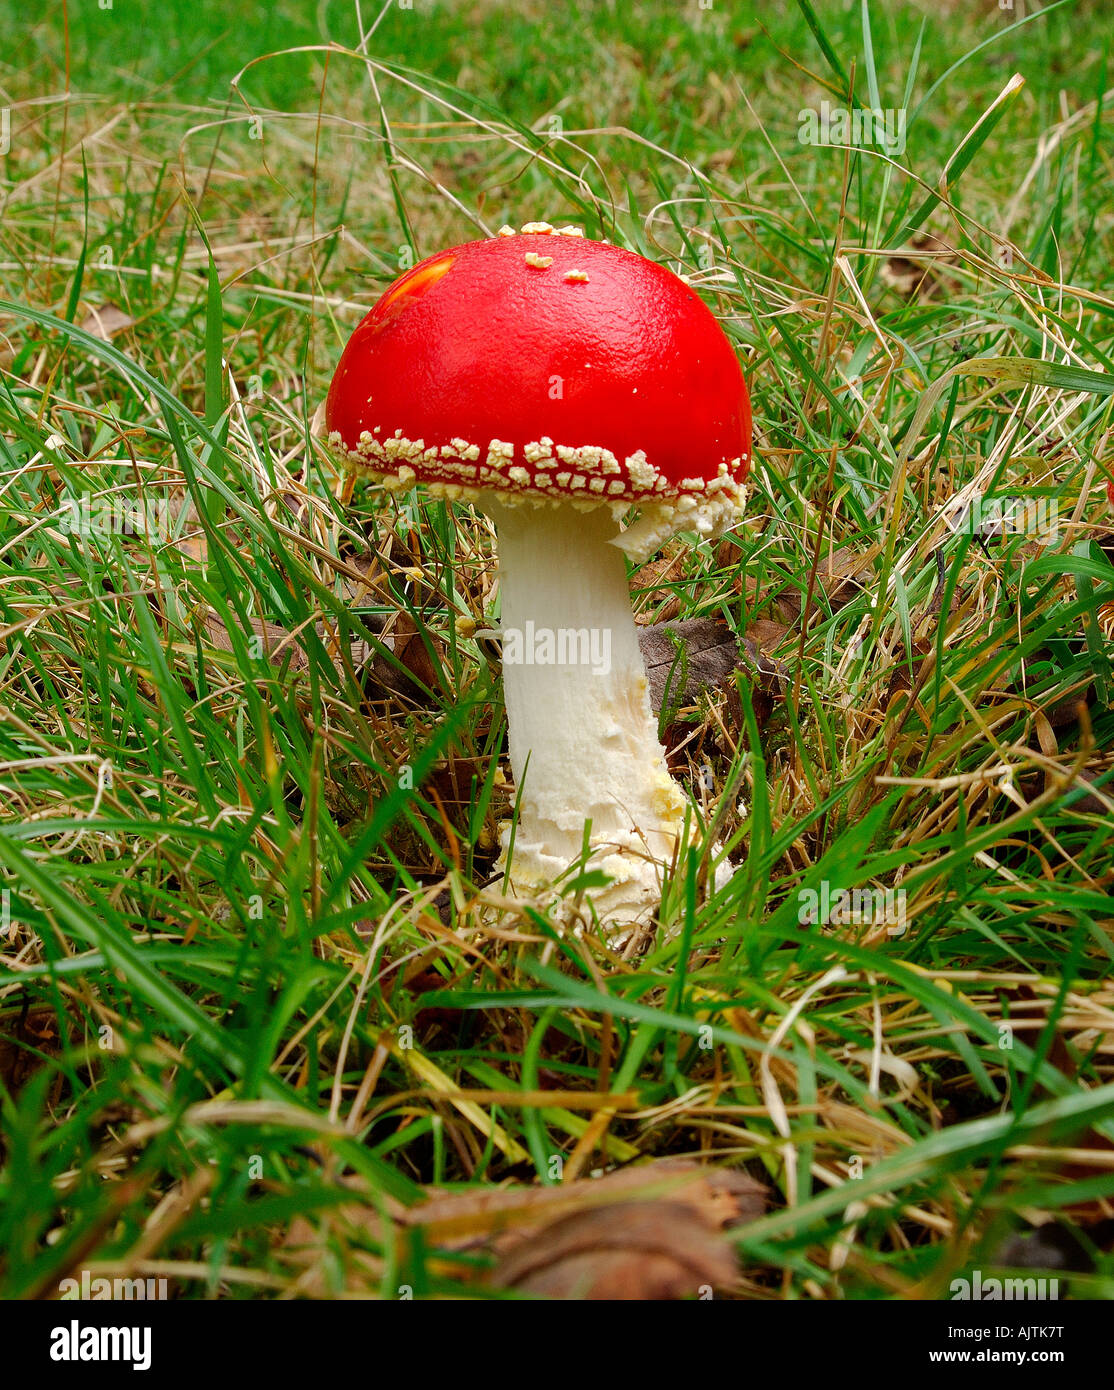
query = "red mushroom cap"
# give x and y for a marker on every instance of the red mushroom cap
(542, 363)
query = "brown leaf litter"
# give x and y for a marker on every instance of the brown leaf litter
(659, 1230)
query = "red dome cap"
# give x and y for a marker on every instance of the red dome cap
(545, 365)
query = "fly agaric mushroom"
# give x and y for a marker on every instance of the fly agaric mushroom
(560, 383)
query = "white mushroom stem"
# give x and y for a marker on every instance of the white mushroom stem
(583, 737)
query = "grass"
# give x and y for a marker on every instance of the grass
(249, 764)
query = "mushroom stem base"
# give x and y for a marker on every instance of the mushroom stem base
(582, 734)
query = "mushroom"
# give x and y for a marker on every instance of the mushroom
(564, 385)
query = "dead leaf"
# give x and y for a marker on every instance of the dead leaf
(922, 269)
(840, 574)
(361, 591)
(1096, 803)
(788, 604)
(658, 604)
(655, 1230)
(688, 657)
(762, 638)
(411, 653)
(104, 321)
(457, 782)
(278, 644)
(722, 1196)
(841, 571)
(766, 635)
(632, 1250)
